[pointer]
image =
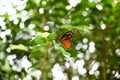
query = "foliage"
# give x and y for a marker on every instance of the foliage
(30, 40)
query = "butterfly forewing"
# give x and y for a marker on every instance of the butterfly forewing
(66, 39)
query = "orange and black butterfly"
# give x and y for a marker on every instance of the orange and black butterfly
(66, 39)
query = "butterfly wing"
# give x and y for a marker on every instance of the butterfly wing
(66, 43)
(66, 39)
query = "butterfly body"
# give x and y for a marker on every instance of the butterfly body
(66, 39)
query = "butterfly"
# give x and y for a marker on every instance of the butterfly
(66, 39)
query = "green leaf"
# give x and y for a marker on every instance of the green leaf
(36, 52)
(83, 28)
(39, 51)
(39, 40)
(44, 34)
(67, 26)
(52, 36)
(19, 47)
(64, 53)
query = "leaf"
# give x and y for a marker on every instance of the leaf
(39, 40)
(79, 28)
(52, 36)
(19, 47)
(37, 52)
(67, 26)
(83, 28)
(64, 53)
(44, 34)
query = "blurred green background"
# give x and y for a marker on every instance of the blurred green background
(30, 47)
